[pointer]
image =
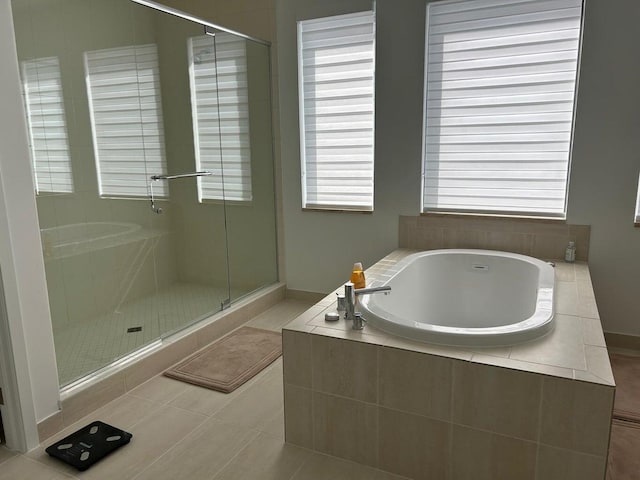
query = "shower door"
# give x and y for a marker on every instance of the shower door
(222, 224)
(191, 267)
(108, 104)
(117, 94)
(248, 167)
(218, 120)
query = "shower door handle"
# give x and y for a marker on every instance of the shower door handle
(181, 175)
(155, 178)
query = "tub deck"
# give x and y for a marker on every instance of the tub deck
(413, 408)
(575, 349)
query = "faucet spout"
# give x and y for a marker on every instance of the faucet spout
(367, 291)
(351, 294)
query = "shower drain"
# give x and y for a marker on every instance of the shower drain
(134, 329)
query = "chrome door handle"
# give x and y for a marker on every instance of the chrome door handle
(181, 175)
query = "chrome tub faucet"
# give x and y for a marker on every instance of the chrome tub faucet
(351, 299)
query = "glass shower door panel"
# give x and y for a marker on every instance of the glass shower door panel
(190, 254)
(247, 163)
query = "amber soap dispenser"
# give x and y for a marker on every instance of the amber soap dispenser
(357, 276)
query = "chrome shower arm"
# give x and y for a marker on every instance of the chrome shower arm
(181, 175)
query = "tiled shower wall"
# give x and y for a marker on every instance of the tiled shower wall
(546, 239)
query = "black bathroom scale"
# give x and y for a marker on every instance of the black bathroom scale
(88, 445)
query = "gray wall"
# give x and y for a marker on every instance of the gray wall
(321, 247)
(606, 158)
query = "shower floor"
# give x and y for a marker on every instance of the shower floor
(83, 348)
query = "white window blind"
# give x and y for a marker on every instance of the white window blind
(220, 107)
(500, 85)
(48, 139)
(123, 85)
(638, 203)
(336, 60)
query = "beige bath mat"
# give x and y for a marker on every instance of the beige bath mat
(626, 371)
(624, 462)
(231, 361)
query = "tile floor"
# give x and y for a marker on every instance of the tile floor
(181, 431)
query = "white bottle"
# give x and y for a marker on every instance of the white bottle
(570, 253)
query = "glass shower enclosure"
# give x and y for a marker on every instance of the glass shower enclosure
(151, 145)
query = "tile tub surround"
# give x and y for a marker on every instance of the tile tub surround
(539, 410)
(534, 237)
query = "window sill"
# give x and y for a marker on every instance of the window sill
(514, 217)
(335, 210)
(55, 194)
(228, 203)
(132, 197)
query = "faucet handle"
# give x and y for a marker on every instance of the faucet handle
(358, 321)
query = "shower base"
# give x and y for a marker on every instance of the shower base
(83, 348)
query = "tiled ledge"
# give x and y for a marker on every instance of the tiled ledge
(533, 237)
(574, 349)
(117, 381)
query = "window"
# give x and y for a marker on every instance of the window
(48, 140)
(637, 221)
(499, 88)
(123, 85)
(220, 107)
(336, 58)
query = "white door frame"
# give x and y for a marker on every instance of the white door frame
(19, 425)
(27, 355)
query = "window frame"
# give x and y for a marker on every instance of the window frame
(533, 214)
(143, 190)
(27, 86)
(217, 180)
(636, 220)
(342, 205)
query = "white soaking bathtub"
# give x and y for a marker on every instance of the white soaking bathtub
(465, 297)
